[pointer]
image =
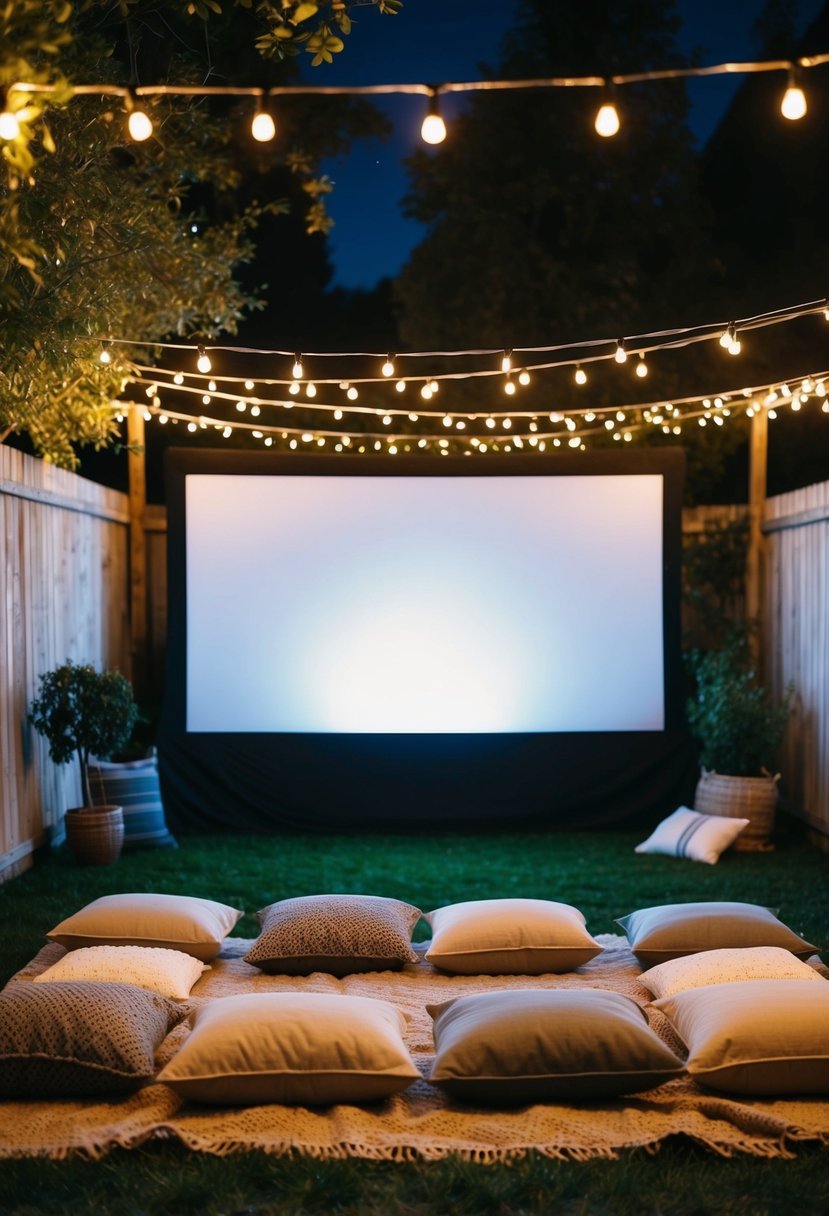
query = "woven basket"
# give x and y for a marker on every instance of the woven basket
(95, 834)
(752, 798)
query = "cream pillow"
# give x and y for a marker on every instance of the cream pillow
(548, 1045)
(169, 972)
(509, 937)
(308, 1048)
(174, 922)
(755, 1037)
(687, 833)
(725, 967)
(673, 930)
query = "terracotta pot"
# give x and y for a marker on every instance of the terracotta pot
(95, 834)
(752, 798)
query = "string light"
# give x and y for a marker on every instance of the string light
(641, 366)
(606, 122)
(580, 375)
(506, 361)
(524, 377)
(105, 355)
(203, 362)
(9, 122)
(793, 102)
(262, 125)
(388, 367)
(433, 128)
(139, 123)
(296, 370)
(620, 354)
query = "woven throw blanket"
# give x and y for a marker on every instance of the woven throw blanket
(420, 1123)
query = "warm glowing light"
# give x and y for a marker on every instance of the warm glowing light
(388, 367)
(203, 362)
(426, 391)
(401, 386)
(178, 378)
(263, 127)
(641, 367)
(139, 126)
(352, 393)
(580, 375)
(509, 386)
(607, 120)
(296, 370)
(433, 129)
(255, 411)
(249, 385)
(793, 103)
(310, 389)
(524, 377)
(9, 126)
(447, 421)
(506, 361)
(293, 389)
(620, 354)
(735, 346)
(105, 356)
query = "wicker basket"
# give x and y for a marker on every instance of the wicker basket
(95, 834)
(752, 798)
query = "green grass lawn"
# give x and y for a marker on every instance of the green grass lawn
(597, 872)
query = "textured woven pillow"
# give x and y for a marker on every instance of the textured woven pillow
(536, 1046)
(755, 1037)
(687, 833)
(308, 1048)
(176, 922)
(78, 1040)
(673, 930)
(725, 967)
(509, 937)
(134, 786)
(339, 934)
(169, 972)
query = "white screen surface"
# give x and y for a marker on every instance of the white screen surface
(412, 604)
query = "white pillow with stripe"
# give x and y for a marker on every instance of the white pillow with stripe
(689, 834)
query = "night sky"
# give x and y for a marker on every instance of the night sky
(432, 41)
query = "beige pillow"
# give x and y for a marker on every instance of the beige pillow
(339, 934)
(698, 837)
(509, 937)
(169, 972)
(79, 1040)
(673, 930)
(755, 1037)
(725, 967)
(548, 1045)
(174, 922)
(307, 1048)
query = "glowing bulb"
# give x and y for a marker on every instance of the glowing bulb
(433, 129)
(241, 406)
(105, 356)
(139, 126)
(250, 386)
(191, 426)
(293, 389)
(387, 420)
(641, 367)
(580, 376)
(506, 361)
(206, 399)
(310, 389)
(426, 391)
(447, 421)
(178, 378)
(296, 370)
(255, 411)
(506, 424)
(212, 386)
(164, 420)
(607, 120)
(793, 103)
(401, 386)
(388, 367)
(509, 387)
(735, 346)
(413, 417)
(490, 422)
(203, 362)
(262, 127)
(524, 377)
(352, 393)
(620, 354)
(9, 126)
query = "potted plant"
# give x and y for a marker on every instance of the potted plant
(85, 712)
(739, 729)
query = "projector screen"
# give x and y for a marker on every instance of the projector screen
(424, 604)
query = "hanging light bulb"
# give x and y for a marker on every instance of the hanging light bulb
(433, 128)
(620, 354)
(9, 124)
(203, 362)
(262, 125)
(506, 361)
(296, 370)
(388, 367)
(293, 389)
(352, 393)
(524, 377)
(509, 386)
(105, 355)
(310, 389)
(641, 366)
(400, 386)
(580, 375)
(606, 122)
(793, 102)
(139, 123)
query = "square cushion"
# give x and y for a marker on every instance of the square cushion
(133, 786)
(673, 930)
(546, 1045)
(687, 833)
(339, 934)
(307, 1048)
(755, 1037)
(78, 1040)
(725, 967)
(509, 937)
(175, 922)
(169, 972)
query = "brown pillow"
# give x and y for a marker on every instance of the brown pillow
(546, 1045)
(756, 1036)
(174, 922)
(80, 1039)
(509, 937)
(339, 934)
(293, 1047)
(673, 930)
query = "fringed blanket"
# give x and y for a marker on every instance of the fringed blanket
(421, 1123)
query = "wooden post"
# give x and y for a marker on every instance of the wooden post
(758, 451)
(138, 549)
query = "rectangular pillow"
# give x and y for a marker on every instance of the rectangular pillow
(725, 967)
(688, 833)
(546, 1045)
(176, 922)
(169, 972)
(134, 786)
(672, 930)
(755, 1037)
(509, 937)
(308, 1048)
(339, 934)
(79, 1040)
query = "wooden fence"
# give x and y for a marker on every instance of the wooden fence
(63, 564)
(64, 556)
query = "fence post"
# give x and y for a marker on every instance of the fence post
(758, 451)
(138, 548)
